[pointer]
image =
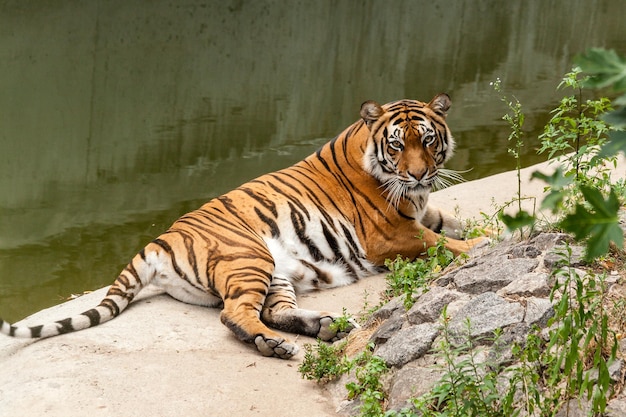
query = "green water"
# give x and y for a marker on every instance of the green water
(116, 117)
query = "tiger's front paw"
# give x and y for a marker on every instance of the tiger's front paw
(278, 347)
(335, 328)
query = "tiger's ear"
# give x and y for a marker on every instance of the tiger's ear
(370, 112)
(440, 104)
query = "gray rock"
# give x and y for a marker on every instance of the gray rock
(617, 407)
(492, 274)
(538, 311)
(386, 310)
(525, 251)
(486, 313)
(388, 328)
(554, 259)
(410, 382)
(455, 306)
(532, 284)
(574, 408)
(501, 352)
(545, 241)
(428, 307)
(408, 344)
(615, 372)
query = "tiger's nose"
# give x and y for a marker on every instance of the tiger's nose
(421, 173)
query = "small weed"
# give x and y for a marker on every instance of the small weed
(515, 119)
(408, 277)
(342, 323)
(368, 387)
(324, 362)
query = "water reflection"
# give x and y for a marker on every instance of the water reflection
(116, 115)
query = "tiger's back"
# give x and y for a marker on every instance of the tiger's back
(326, 221)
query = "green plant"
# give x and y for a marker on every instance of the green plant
(573, 138)
(368, 310)
(342, 323)
(407, 277)
(581, 332)
(515, 119)
(367, 386)
(468, 387)
(525, 378)
(324, 362)
(606, 69)
(582, 193)
(549, 373)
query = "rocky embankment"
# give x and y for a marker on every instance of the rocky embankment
(508, 288)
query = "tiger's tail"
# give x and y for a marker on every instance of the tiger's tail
(137, 274)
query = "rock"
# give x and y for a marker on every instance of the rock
(615, 372)
(617, 407)
(410, 382)
(555, 258)
(388, 328)
(428, 307)
(574, 408)
(455, 306)
(501, 352)
(408, 344)
(545, 241)
(538, 311)
(486, 313)
(386, 310)
(532, 284)
(525, 251)
(492, 274)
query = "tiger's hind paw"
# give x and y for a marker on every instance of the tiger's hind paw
(280, 348)
(331, 330)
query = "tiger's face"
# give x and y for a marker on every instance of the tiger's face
(408, 144)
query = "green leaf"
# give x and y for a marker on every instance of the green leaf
(553, 200)
(556, 182)
(616, 118)
(620, 101)
(520, 220)
(600, 224)
(615, 145)
(605, 68)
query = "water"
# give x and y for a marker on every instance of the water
(116, 117)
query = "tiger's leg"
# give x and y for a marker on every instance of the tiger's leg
(243, 301)
(281, 312)
(440, 221)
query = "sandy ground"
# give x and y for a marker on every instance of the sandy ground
(165, 358)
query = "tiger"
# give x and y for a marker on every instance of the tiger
(327, 221)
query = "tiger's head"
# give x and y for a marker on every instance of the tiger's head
(407, 146)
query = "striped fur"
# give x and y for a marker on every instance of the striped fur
(326, 221)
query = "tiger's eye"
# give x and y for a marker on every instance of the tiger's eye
(396, 145)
